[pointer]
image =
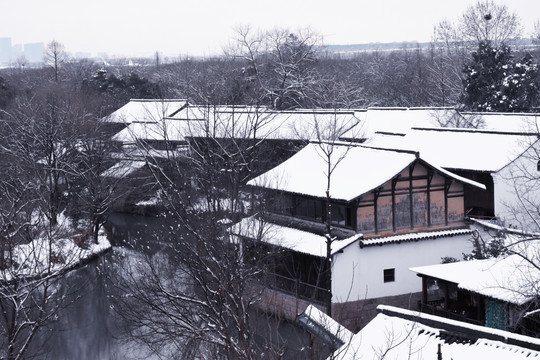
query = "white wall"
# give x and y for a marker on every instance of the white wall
(517, 192)
(358, 273)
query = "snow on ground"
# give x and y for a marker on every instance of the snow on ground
(52, 255)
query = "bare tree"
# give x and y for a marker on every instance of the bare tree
(536, 32)
(489, 21)
(21, 62)
(31, 297)
(54, 56)
(197, 295)
(452, 43)
(447, 56)
(280, 64)
(328, 131)
(31, 260)
(43, 133)
(92, 195)
(484, 21)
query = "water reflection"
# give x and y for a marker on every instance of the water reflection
(89, 328)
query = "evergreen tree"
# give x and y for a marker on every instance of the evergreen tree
(494, 82)
(7, 93)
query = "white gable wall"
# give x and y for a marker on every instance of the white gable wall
(357, 273)
(517, 191)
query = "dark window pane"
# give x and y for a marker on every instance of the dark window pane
(389, 275)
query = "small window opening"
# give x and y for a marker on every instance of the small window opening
(389, 275)
(538, 166)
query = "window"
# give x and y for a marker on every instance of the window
(309, 208)
(341, 215)
(389, 275)
(538, 166)
(282, 203)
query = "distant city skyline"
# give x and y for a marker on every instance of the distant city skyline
(12, 53)
(206, 27)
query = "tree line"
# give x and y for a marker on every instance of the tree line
(283, 69)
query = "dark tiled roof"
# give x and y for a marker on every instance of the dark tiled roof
(396, 239)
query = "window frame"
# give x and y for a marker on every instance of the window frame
(389, 275)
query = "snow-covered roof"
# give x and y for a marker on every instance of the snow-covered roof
(323, 325)
(262, 123)
(401, 120)
(134, 158)
(510, 278)
(459, 148)
(396, 239)
(123, 168)
(164, 130)
(190, 112)
(289, 238)
(506, 122)
(497, 226)
(145, 111)
(148, 120)
(403, 334)
(357, 170)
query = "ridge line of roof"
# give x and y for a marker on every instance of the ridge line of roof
(493, 226)
(157, 100)
(390, 133)
(475, 131)
(459, 178)
(438, 322)
(500, 113)
(404, 108)
(409, 237)
(412, 152)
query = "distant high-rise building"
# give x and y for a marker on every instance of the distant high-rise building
(34, 52)
(5, 50)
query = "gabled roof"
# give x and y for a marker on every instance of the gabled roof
(137, 110)
(404, 334)
(510, 278)
(356, 171)
(464, 149)
(288, 238)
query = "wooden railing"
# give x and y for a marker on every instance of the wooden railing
(448, 314)
(299, 289)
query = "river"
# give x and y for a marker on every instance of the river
(90, 329)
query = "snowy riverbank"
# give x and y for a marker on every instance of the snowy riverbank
(53, 254)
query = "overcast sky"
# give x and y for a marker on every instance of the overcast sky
(205, 27)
